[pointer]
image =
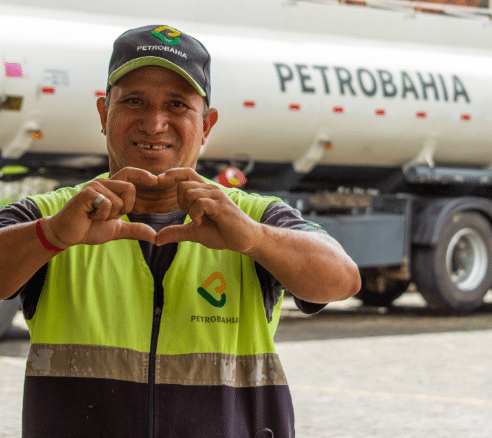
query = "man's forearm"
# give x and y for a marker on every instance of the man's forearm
(312, 266)
(21, 255)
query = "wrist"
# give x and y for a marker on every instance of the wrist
(255, 244)
(46, 237)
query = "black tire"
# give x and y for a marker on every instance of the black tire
(456, 274)
(8, 309)
(393, 290)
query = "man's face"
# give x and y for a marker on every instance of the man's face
(154, 121)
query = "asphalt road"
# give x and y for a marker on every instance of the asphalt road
(355, 372)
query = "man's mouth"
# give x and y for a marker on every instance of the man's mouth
(156, 147)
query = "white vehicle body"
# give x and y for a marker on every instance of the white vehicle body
(316, 93)
(300, 96)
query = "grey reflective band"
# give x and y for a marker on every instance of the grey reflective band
(201, 369)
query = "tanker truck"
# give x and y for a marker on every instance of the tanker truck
(373, 119)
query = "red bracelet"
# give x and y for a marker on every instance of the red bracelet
(44, 240)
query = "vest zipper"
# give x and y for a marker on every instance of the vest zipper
(158, 304)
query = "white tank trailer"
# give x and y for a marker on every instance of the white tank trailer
(375, 120)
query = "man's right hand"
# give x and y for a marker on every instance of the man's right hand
(78, 222)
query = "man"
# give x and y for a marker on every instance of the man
(132, 333)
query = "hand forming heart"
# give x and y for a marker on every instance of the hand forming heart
(216, 221)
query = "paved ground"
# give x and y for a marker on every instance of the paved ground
(409, 386)
(435, 382)
(11, 383)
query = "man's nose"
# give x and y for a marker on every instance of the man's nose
(155, 121)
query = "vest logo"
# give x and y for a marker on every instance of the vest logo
(159, 33)
(220, 289)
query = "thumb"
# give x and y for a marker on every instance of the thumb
(174, 233)
(135, 231)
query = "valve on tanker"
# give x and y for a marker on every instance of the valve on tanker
(233, 176)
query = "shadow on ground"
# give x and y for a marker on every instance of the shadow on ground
(357, 321)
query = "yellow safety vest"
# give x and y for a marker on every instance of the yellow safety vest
(94, 318)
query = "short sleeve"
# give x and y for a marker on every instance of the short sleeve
(19, 212)
(280, 214)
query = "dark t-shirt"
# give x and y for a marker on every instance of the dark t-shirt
(159, 258)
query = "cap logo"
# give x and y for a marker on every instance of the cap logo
(159, 33)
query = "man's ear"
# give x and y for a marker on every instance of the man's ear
(103, 112)
(208, 122)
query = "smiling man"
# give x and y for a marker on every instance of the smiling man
(152, 295)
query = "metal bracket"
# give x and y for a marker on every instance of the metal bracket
(306, 162)
(21, 143)
(425, 156)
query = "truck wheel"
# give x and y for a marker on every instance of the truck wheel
(8, 309)
(393, 290)
(456, 273)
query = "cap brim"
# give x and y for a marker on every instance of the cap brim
(153, 60)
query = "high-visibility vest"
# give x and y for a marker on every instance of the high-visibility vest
(94, 318)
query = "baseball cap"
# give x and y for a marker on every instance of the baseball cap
(163, 46)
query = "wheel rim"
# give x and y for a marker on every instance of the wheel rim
(467, 259)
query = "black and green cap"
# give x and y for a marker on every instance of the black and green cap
(163, 46)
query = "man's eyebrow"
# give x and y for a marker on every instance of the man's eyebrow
(141, 93)
(132, 92)
(178, 95)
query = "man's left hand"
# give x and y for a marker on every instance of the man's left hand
(216, 221)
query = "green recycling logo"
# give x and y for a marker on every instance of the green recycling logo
(220, 289)
(159, 33)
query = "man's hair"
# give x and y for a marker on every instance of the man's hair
(108, 98)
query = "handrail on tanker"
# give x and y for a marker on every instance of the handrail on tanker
(418, 6)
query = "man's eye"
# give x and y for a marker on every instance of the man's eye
(178, 106)
(133, 101)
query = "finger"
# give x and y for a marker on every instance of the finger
(125, 196)
(202, 210)
(109, 208)
(189, 192)
(135, 175)
(175, 233)
(179, 174)
(135, 231)
(102, 211)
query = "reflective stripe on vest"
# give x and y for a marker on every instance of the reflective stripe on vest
(203, 369)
